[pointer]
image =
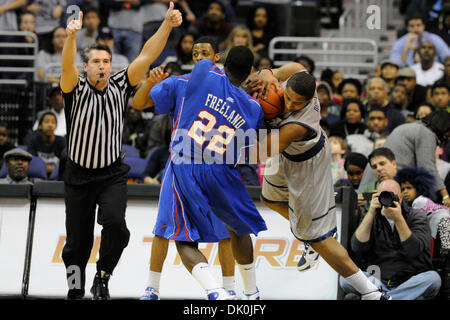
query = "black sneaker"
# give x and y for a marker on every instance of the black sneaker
(385, 296)
(376, 295)
(75, 294)
(99, 288)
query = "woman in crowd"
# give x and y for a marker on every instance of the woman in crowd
(183, 50)
(261, 24)
(52, 54)
(239, 36)
(348, 88)
(334, 78)
(352, 119)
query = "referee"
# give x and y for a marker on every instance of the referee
(94, 173)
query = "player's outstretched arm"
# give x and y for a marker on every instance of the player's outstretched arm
(69, 73)
(278, 140)
(154, 46)
(142, 99)
(286, 71)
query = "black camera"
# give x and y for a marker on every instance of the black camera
(387, 199)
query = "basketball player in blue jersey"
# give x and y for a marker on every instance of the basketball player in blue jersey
(302, 189)
(201, 178)
(203, 48)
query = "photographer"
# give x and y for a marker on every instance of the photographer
(396, 239)
(414, 145)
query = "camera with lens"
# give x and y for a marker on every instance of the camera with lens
(387, 199)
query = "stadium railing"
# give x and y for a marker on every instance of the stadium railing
(17, 97)
(353, 57)
(7, 47)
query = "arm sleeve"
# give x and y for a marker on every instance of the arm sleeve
(164, 95)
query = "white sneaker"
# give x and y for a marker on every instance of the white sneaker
(233, 294)
(309, 259)
(252, 296)
(218, 294)
(150, 294)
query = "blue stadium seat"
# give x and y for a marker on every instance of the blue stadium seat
(150, 152)
(137, 167)
(3, 171)
(37, 169)
(130, 150)
(23, 147)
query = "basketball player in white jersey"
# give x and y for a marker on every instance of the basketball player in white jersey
(302, 189)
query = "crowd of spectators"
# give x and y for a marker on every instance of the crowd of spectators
(406, 88)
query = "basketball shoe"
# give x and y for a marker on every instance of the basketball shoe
(252, 296)
(99, 288)
(376, 295)
(218, 294)
(232, 293)
(309, 259)
(150, 294)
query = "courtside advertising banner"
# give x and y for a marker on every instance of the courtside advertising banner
(276, 255)
(14, 215)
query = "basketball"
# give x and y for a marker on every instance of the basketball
(273, 103)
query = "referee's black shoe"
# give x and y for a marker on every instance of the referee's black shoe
(75, 294)
(99, 288)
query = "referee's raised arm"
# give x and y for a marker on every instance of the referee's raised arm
(69, 73)
(154, 46)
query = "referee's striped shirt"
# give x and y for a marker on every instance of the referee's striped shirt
(95, 121)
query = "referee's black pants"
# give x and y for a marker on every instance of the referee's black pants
(83, 190)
